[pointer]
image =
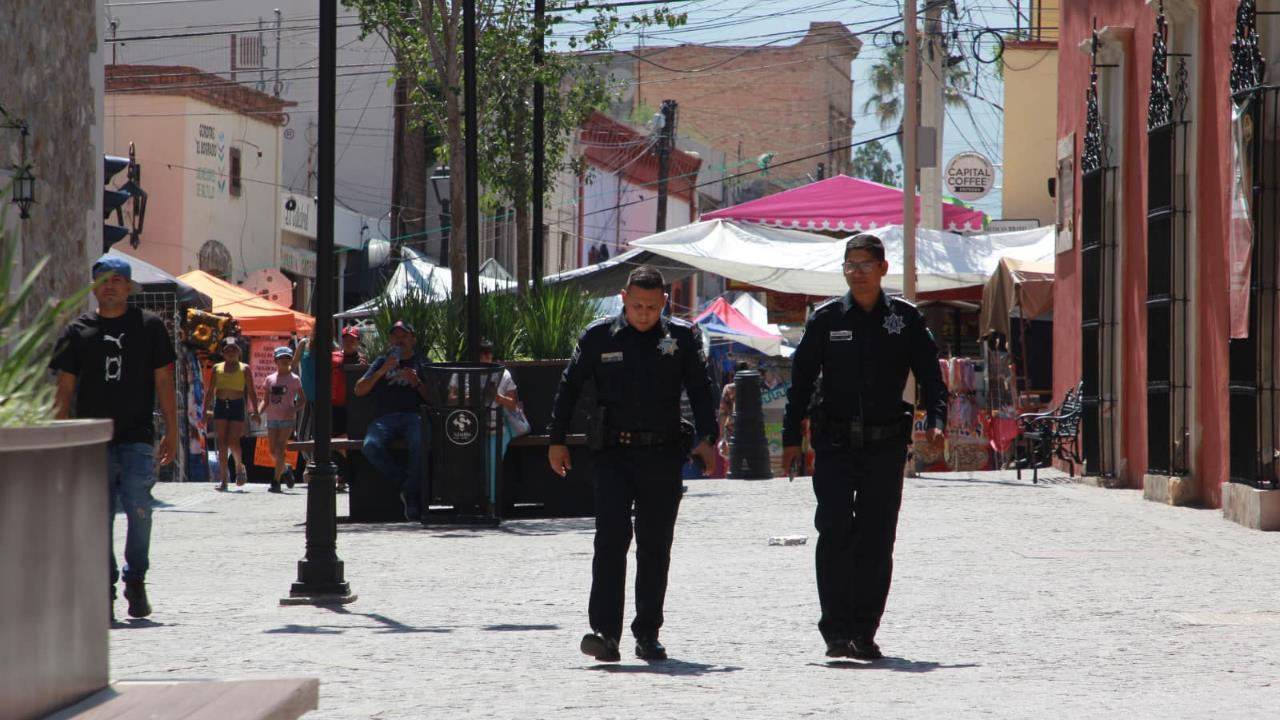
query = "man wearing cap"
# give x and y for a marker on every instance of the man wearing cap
(862, 345)
(114, 363)
(394, 380)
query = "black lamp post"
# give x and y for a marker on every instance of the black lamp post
(320, 573)
(24, 182)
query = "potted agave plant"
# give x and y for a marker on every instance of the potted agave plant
(54, 610)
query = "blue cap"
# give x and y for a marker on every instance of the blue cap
(283, 351)
(115, 264)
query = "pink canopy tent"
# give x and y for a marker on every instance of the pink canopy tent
(840, 203)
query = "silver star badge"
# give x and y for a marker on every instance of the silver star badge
(893, 324)
(667, 345)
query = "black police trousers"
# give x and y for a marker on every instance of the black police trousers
(859, 493)
(649, 479)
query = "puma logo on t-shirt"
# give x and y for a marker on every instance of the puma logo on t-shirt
(118, 340)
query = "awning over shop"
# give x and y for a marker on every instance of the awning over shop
(1022, 284)
(841, 204)
(792, 261)
(154, 280)
(610, 276)
(433, 281)
(256, 314)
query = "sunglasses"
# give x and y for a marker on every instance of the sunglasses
(863, 267)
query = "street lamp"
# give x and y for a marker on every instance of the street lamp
(440, 175)
(24, 182)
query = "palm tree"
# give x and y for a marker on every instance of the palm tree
(886, 78)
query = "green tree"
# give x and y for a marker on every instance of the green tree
(887, 77)
(425, 36)
(871, 161)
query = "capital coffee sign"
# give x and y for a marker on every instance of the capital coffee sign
(970, 176)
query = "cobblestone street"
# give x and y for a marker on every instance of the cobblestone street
(1009, 600)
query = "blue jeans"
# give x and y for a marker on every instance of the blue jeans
(130, 477)
(378, 437)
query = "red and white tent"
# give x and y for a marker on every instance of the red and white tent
(840, 204)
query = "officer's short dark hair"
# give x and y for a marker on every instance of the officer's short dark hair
(486, 345)
(645, 278)
(866, 241)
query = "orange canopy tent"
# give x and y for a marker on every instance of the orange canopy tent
(256, 314)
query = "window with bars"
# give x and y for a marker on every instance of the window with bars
(1253, 387)
(1168, 257)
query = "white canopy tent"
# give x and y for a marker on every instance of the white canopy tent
(794, 261)
(415, 271)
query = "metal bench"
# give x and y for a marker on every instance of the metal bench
(1055, 434)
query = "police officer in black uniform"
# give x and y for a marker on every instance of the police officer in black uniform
(863, 344)
(640, 361)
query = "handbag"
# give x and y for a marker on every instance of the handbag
(517, 423)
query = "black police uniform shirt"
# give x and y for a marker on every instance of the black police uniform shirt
(863, 358)
(393, 393)
(639, 376)
(114, 361)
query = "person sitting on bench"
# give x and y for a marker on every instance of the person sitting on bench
(394, 380)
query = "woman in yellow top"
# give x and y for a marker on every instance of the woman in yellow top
(231, 384)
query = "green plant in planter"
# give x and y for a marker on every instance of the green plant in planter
(500, 323)
(416, 308)
(553, 316)
(26, 393)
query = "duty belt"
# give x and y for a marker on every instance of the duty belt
(639, 438)
(856, 433)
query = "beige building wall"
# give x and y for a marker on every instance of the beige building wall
(1030, 124)
(185, 147)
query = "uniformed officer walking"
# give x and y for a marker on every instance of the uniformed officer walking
(862, 344)
(640, 361)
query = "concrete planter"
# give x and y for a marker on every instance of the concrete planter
(53, 561)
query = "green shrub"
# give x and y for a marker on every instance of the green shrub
(553, 316)
(26, 394)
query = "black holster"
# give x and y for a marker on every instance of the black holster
(597, 429)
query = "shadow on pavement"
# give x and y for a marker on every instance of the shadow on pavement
(137, 624)
(894, 664)
(550, 526)
(667, 667)
(384, 625)
(1044, 482)
(519, 628)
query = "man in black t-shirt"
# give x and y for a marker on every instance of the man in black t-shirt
(394, 381)
(113, 364)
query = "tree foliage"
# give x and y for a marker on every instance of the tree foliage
(425, 36)
(887, 79)
(871, 161)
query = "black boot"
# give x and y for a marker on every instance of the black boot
(650, 649)
(604, 649)
(135, 591)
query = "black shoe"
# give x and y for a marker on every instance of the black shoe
(650, 649)
(113, 603)
(275, 488)
(600, 647)
(135, 591)
(288, 478)
(838, 649)
(864, 648)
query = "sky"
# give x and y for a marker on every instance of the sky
(750, 22)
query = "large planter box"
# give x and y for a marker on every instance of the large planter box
(54, 596)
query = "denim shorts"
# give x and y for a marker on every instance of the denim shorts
(232, 410)
(277, 424)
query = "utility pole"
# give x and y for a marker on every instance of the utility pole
(931, 116)
(278, 87)
(911, 130)
(666, 141)
(539, 152)
(473, 179)
(320, 573)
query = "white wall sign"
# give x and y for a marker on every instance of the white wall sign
(970, 176)
(302, 218)
(298, 261)
(1000, 226)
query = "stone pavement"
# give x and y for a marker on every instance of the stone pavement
(1009, 600)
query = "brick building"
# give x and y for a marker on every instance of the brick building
(747, 101)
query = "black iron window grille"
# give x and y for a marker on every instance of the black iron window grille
(1098, 261)
(1168, 262)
